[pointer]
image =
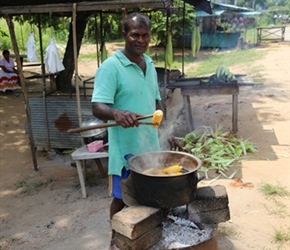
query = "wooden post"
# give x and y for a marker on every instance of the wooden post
(235, 113)
(43, 80)
(76, 66)
(24, 90)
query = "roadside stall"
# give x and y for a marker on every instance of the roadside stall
(225, 26)
(49, 116)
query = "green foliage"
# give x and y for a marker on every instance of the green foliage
(59, 29)
(218, 150)
(158, 20)
(273, 190)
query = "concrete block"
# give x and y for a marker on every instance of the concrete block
(143, 242)
(134, 221)
(211, 205)
(210, 217)
(210, 198)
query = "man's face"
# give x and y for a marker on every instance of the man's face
(137, 39)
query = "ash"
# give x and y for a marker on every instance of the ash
(179, 236)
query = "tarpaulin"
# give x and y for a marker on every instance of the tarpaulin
(52, 59)
(31, 50)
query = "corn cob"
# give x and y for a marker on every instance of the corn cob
(174, 169)
(157, 117)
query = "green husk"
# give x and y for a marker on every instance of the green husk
(195, 40)
(218, 150)
(104, 52)
(169, 51)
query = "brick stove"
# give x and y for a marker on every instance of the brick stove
(140, 227)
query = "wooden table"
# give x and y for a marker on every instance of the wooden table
(82, 154)
(192, 87)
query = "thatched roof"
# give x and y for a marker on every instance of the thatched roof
(17, 7)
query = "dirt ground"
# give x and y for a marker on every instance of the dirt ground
(45, 209)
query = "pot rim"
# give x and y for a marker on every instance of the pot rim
(198, 161)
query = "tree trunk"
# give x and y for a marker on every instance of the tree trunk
(63, 80)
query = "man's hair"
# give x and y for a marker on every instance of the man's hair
(5, 51)
(141, 19)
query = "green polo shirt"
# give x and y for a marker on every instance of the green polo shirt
(121, 84)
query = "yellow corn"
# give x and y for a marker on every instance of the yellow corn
(174, 169)
(157, 117)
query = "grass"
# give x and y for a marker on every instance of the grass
(282, 237)
(271, 190)
(33, 187)
(207, 63)
(91, 56)
(274, 192)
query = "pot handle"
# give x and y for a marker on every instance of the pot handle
(193, 182)
(200, 178)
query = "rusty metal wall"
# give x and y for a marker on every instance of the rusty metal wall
(61, 115)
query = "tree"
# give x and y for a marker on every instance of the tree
(158, 22)
(63, 80)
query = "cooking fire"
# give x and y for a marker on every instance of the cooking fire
(165, 208)
(179, 232)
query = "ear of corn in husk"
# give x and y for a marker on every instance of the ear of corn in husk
(195, 40)
(224, 72)
(174, 169)
(104, 52)
(169, 51)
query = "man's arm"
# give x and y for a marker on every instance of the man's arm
(124, 118)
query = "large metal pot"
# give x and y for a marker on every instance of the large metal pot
(164, 191)
(98, 133)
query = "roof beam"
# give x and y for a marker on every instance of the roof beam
(84, 6)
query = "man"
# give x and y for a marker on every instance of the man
(126, 87)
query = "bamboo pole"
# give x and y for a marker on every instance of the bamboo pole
(24, 90)
(74, 15)
(43, 80)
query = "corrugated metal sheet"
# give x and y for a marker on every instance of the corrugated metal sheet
(61, 116)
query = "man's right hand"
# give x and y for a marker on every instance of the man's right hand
(126, 118)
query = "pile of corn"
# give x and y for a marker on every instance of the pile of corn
(218, 150)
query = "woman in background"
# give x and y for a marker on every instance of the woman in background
(8, 73)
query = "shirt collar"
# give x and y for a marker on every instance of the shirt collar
(125, 61)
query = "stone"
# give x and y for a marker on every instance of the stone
(210, 217)
(210, 198)
(143, 242)
(211, 205)
(134, 221)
